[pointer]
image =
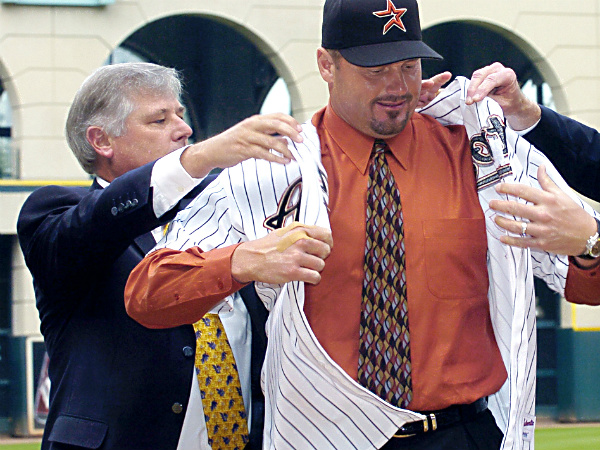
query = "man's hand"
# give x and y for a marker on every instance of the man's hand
(500, 84)
(259, 136)
(431, 87)
(555, 223)
(296, 252)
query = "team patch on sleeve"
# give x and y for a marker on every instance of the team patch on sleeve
(494, 133)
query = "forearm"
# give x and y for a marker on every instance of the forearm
(523, 114)
(171, 288)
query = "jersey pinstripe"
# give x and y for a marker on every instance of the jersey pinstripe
(311, 403)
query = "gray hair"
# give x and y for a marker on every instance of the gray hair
(105, 100)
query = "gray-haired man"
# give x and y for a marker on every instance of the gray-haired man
(116, 384)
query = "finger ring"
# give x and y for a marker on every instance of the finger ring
(523, 229)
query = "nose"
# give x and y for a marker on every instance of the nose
(182, 130)
(396, 83)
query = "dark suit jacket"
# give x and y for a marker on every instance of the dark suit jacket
(573, 148)
(115, 383)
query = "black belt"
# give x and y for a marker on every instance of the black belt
(442, 418)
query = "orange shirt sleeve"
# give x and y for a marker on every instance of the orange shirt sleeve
(583, 285)
(169, 288)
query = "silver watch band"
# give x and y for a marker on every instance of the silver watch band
(592, 249)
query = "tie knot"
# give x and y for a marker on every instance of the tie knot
(379, 146)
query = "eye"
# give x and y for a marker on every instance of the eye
(411, 65)
(159, 120)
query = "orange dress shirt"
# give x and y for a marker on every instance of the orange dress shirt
(454, 355)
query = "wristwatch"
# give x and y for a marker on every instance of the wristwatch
(592, 247)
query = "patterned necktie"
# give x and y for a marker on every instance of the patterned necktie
(226, 420)
(384, 356)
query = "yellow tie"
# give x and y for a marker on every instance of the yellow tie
(224, 412)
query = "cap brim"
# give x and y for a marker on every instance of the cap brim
(387, 53)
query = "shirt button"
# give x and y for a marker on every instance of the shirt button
(177, 408)
(188, 351)
(179, 189)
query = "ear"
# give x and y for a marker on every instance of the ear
(326, 64)
(100, 140)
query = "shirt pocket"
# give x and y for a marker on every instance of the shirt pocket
(455, 258)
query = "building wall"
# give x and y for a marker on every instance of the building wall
(46, 52)
(563, 42)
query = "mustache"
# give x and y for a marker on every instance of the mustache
(391, 98)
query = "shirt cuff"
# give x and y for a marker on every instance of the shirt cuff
(527, 130)
(170, 182)
(583, 284)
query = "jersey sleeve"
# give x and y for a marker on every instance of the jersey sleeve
(189, 270)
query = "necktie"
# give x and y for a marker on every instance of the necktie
(226, 421)
(384, 356)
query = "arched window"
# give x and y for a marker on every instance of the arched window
(226, 76)
(452, 40)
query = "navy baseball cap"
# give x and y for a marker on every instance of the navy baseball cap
(374, 32)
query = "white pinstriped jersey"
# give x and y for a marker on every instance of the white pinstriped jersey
(311, 403)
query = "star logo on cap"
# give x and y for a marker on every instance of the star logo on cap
(395, 13)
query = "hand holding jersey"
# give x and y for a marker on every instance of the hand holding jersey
(296, 252)
(556, 223)
(255, 137)
(500, 84)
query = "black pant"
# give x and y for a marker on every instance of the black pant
(480, 433)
